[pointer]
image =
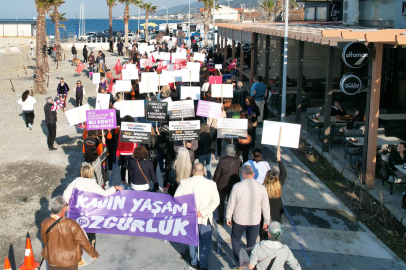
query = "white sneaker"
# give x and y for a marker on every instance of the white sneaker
(30, 126)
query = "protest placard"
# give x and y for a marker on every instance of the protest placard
(134, 108)
(132, 213)
(208, 109)
(77, 115)
(102, 101)
(231, 128)
(156, 55)
(129, 74)
(167, 38)
(181, 109)
(166, 78)
(148, 86)
(165, 56)
(152, 41)
(171, 44)
(215, 79)
(190, 75)
(199, 57)
(290, 134)
(218, 66)
(190, 91)
(184, 130)
(157, 111)
(101, 119)
(179, 55)
(222, 90)
(149, 76)
(135, 132)
(123, 86)
(193, 66)
(96, 78)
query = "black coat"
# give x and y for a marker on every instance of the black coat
(74, 50)
(147, 167)
(204, 144)
(395, 159)
(50, 116)
(276, 205)
(224, 179)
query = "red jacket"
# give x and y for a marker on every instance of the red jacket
(125, 148)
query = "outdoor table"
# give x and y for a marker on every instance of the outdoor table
(333, 119)
(386, 117)
(383, 142)
(400, 168)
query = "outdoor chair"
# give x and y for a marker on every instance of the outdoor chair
(349, 148)
(394, 179)
(305, 101)
(310, 123)
(337, 133)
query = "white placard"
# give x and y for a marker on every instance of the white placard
(181, 105)
(123, 86)
(290, 134)
(166, 78)
(96, 78)
(134, 108)
(179, 55)
(166, 38)
(171, 44)
(184, 125)
(193, 66)
(218, 66)
(199, 57)
(77, 115)
(227, 90)
(152, 41)
(165, 56)
(129, 74)
(190, 75)
(156, 55)
(190, 91)
(102, 101)
(151, 48)
(149, 76)
(232, 123)
(148, 86)
(131, 67)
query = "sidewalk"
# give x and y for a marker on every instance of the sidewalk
(330, 233)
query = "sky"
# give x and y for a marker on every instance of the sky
(94, 9)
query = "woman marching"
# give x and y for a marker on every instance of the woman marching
(80, 92)
(27, 101)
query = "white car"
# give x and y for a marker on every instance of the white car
(131, 36)
(86, 36)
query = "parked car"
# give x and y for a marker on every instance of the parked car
(99, 37)
(86, 36)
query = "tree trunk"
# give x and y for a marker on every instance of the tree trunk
(40, 87)
(57, 34)
(206, 23)
(111, 22)
(146, 27)
(44, 41)
(126, 19)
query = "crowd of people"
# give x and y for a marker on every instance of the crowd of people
(246, 194)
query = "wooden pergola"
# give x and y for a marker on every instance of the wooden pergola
(334, 35)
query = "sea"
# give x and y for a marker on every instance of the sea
(95, 25)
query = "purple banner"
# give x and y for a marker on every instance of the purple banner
(208, 109)
(101, 119)
(137, 213)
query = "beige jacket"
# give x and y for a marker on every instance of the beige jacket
(247, 200)
(206, 196)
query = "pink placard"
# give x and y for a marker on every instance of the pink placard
(208, 109)
(215, 79)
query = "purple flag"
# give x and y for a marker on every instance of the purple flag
(137, 213)
(208, 109)
(101, 119)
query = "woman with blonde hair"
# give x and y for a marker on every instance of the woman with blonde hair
(273, 184)
(181, 168)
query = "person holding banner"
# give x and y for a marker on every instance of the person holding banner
(141, 171)
(207, 199)
(93, 159)
(80, 92)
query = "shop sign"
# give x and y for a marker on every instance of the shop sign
(355, 54)
(246, 46)
(351, 84)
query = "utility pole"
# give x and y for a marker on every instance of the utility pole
(285, 63)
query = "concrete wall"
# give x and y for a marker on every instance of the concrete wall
(10, 30)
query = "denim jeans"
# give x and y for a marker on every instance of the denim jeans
(236, 233)
(205, 245)
(206, 158)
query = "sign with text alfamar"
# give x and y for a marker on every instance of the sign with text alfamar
(135, 132)
(355, 54)
(101, 119)
(184, 130)
(137, 213)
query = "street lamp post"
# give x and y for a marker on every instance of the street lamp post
(188, 29)
(285, 63)
(167, 13)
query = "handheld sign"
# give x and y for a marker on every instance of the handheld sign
(96, 78)
(102, 101)
(215, 79)
(190, 75)
(157, 111)
(123, 86)
(101, 119)
(218, 66)
(149, 76)
(77, 115)
(199, 57)
(129, 74)
(134, 108)
(290, 138)
(190, 91)
(135, 132)
(148, 86)
(184, 130)
(165, 56)
(208, 109)
(231, 128)
(193, 66)
(181, 109)
(222, 90)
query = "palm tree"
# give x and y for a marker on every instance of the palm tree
(127, 16)
(43, 7)
(149, 8)
(55, 17)
(269, 7)
(293, 4)
(111, 4)
(60, 15)
(206, 18)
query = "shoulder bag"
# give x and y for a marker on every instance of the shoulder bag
(150, 183)
(232, 163)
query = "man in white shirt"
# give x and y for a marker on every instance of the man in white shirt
(247, 200)
(207, 199)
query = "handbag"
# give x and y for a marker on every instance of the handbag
(150, 183)
(245, 141)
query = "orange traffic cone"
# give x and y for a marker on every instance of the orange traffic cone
(7, 265)
(29, 262)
